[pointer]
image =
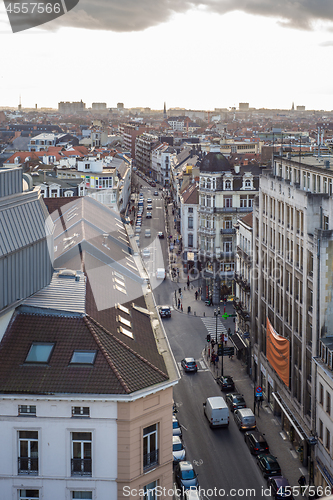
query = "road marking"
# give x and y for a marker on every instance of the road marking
(293, 453)
(283, 435)
(203, 364)
(275, 421)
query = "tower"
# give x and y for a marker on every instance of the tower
(164, 112)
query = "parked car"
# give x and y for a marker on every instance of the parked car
(189, 365)
(185, 476)
(192, 494)
(148, 215)
(149, 200)
(178, 450)
(176, 429)
(165, 312)
(235, 401)
(153, 184)
(160, 235)
(268, 465)
(280, 487)
(245, 419)
(226, 383)
(256, 442)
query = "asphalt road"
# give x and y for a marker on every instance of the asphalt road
(220, 457)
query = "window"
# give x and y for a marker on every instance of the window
(328, 440)
(150, 447)
(190, 223)
(190, 210)
(320, 430)
(321, 394)
(27, 410)
(82, 494)
(87, 166)
(326, 223)
(28, 494)
(243, 201)
(28, 452)
(190, 240)
(123, 308)
(227, 202)
(150, 491)
(328, 403)
(83, 357)
(39, 353)
(81, 454)
(80, 411)
(227, 184)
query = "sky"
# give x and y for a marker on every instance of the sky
(190, 54)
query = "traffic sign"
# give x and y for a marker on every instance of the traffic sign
(258, 389)
(226, 316)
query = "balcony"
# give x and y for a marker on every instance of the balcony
(229, 230)
(228, 256)
(240, 309)
(243, 283)
(207, 231)
(222, 210)
(206, 210)
(150, 459)
(81, 466)
(28, 466)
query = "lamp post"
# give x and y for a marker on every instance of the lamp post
(216, 314)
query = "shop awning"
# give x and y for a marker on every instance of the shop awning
(301, 430)
(325, 472)
(238, 342)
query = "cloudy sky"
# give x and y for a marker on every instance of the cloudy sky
(193, 54)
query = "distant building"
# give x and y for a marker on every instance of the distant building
(243, 106)
(71, 107)
(144, 144)
(98, 106)
(129, 132)
(300, 108)
(120, 105)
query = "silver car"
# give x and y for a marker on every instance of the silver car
(178, 450)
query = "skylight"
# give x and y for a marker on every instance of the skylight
(118, 275)
(39, 353)
(84, 357)
(126, 332)
(121, 283)
(126, 322)
(123, 308)
(120, 289)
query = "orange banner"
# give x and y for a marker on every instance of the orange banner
(278, 353)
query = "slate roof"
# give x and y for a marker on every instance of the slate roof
(247, 219)
(191, 195)
(214, 162)
(117, 369)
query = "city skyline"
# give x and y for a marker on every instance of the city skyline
(199, 58)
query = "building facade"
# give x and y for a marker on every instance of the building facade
(291, 287)
(144, 145)
(224, 193)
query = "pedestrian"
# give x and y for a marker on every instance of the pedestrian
(181, 307)
(302, 483)
(196, 295)
(177, 272)
(178, 303)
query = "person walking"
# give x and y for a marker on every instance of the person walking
(196, 295)
(302, 483)
(178, 303)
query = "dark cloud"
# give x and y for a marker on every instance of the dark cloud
(137, 15)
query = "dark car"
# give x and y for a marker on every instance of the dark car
(268, 465)
(160, 235)
(256, 442)
(185, 475)
(189, 365)
(226, 383)
(235, 401)
(176, 429)
(155, 192)
(165, 312)
(280, 487)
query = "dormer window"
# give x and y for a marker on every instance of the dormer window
(227, 185)
(247, 182)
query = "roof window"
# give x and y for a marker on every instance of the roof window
(126, 332)
(39, 353)
(123, 308)
(124, 321)
(83, 357)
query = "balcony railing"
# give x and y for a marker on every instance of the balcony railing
(81, 466)
(28, 465)
(229, 230)
(150, 459)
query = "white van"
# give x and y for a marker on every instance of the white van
(160, 273)
(147, 233)
(217, 412)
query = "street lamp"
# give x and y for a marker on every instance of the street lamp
(216, 314)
